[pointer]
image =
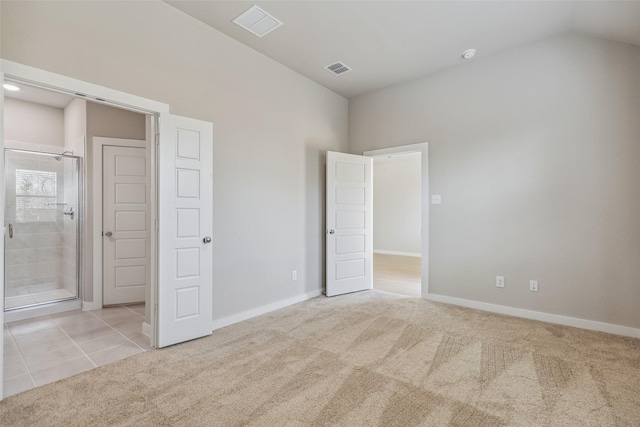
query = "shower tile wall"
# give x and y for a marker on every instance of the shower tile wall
(34, 255)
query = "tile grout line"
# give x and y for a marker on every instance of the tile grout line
(85, 354)
(133, 311)
(125, 337)
(89, 357)
(24, 360)
(75, 343)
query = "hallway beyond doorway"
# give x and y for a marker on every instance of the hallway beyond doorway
(397, 274)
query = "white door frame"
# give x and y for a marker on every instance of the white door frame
(98, 145)
(59, 83)
(422, 148)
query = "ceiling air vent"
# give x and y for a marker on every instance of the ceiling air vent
(338, 68)
(257, 21)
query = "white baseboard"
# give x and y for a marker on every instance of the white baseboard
(382, 251)
(146, 329)
(248, 314)
(538, 315)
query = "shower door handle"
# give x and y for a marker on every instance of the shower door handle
(10, 231)
(71, 213)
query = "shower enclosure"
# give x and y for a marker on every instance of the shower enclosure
(42, 223)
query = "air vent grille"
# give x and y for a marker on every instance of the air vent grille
(338, 68)
(257, 21)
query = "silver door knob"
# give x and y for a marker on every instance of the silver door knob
(207, 239)
(108, 234)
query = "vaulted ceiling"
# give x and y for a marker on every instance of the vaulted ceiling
(387, 42)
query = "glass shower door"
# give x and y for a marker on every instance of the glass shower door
(42, 228)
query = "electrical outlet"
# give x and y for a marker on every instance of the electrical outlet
(436, 200)
(533, 285)
(294, 274)
(499, 281)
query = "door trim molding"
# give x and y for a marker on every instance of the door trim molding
(98, 144)
(422, 148)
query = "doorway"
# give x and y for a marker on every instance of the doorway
(401, 219)
(182, 195)
(53, 326)
(397, 213)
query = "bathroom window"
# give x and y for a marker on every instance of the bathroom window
(36, 195)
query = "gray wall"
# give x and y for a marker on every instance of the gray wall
(396, 204)
(536, 153)
(271, 128)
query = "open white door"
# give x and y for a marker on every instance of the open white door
(349, 223)
(185, 254)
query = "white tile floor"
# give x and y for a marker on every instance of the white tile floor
(48, 348)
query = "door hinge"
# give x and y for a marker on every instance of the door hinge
(157, 225)
(157, 138)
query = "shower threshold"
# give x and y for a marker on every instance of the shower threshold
(62, 303)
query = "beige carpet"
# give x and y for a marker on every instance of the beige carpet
(363, 359)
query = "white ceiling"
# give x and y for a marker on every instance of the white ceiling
(40, 96)
(387, 42)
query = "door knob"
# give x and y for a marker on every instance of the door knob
(108, 234)
(207, 239)
(332, 231)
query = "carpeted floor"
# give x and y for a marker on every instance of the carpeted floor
(364, 359)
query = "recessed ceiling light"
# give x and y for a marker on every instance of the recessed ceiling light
(469, 53)
(257, 21)
(11, 87)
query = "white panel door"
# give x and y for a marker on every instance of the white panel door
(185, 253)
(126, 212)
(349, 223)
